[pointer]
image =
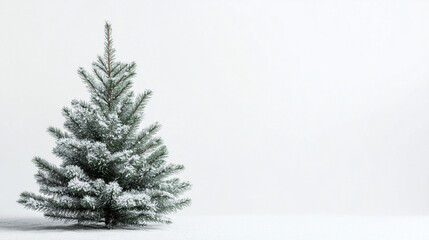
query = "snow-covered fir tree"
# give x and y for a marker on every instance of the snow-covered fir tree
(111, 171)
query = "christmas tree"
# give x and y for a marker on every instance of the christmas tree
(111, 171)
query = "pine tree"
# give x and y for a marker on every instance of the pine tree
(111, 171)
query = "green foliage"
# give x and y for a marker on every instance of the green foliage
(111, 172)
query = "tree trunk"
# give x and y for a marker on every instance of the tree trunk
(108, 220)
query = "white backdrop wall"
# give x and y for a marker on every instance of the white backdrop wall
(274, 107)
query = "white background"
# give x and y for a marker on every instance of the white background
(274, 107)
